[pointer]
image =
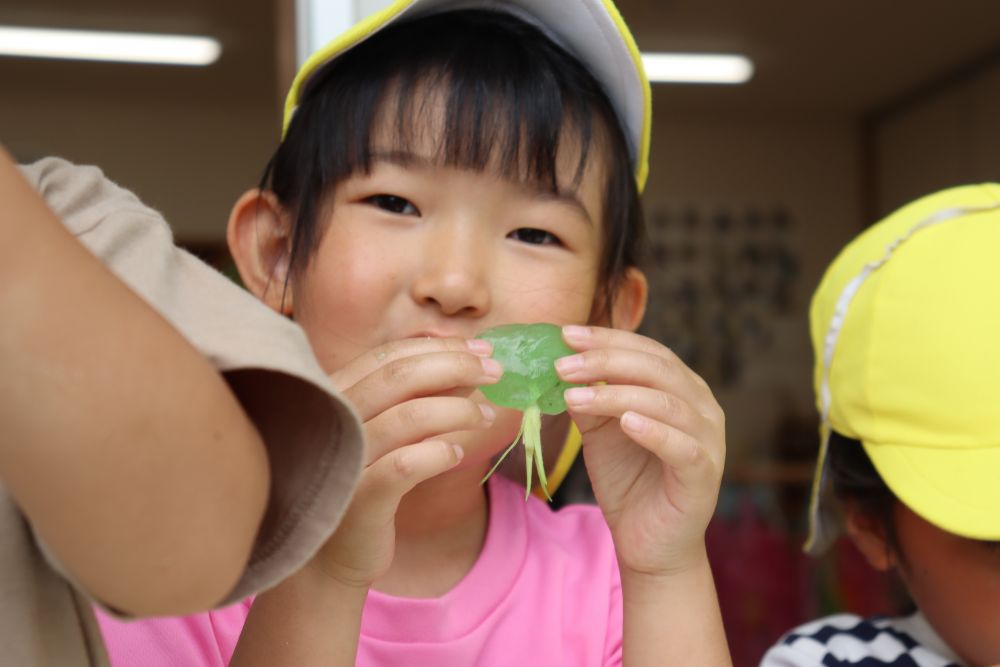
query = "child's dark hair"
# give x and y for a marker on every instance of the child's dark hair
(855, 479)
(509, 94)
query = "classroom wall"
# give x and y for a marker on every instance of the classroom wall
(949, 139)
(191, 166)
(804, 166)
(187, 140)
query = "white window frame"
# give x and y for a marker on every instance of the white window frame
(319, 21)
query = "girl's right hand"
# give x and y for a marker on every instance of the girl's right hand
(408, 394)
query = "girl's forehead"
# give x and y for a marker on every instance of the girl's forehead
(426, 128)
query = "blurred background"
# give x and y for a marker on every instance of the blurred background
(853, 109)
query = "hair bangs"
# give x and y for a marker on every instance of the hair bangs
(480, 98)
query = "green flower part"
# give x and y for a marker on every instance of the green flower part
(530, 383)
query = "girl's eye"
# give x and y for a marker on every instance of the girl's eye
(534, 236)
(393, 204)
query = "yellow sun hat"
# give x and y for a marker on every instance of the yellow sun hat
(906, 330)
(591, 30)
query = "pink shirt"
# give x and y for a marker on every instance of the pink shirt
(544, 591)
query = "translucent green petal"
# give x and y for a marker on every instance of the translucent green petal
(530, 383)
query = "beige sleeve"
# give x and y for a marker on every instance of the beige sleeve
(313, 438)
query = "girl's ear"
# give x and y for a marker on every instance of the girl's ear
(629, 305)
(259, 238)
(868, 534)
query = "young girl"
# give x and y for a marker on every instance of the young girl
(455, 171)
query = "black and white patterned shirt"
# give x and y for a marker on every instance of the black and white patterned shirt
(846, 640)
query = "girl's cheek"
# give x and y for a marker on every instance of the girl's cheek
(559, 304)
(340, 312)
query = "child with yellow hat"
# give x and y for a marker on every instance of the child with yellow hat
(906, 331)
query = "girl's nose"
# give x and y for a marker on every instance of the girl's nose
(453, 276)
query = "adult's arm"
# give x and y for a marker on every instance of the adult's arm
(124, 447)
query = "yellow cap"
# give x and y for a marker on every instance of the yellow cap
(906, 330)
(591, 30)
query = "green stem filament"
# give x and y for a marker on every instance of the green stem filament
(531, 433)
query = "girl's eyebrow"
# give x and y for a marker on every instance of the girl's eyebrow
(405, 158)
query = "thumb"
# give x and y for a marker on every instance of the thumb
(588, 424)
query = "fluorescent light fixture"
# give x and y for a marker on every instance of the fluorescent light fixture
(697, 68)
(129, 47)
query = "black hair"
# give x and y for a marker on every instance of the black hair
(856, 480)
(510, 95)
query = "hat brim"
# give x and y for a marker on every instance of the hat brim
(957, 490)
(592, 30)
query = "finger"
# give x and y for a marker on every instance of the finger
(423, 418)
(686, 457)
(391, 477)
(420, 375)
(636, 367)
(583, 338)
(368, 362)
(615, 400)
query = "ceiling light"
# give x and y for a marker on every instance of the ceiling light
(131, 47)
(697, 68)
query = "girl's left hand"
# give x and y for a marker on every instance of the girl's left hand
(654, 445)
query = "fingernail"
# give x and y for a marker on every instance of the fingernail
(459, 452)
(489, 414)
(634, 422)
(480, 346)
(569, 364)
(579, 395)
(492, 368)
(576, 332)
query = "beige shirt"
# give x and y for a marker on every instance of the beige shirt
(313, 438)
